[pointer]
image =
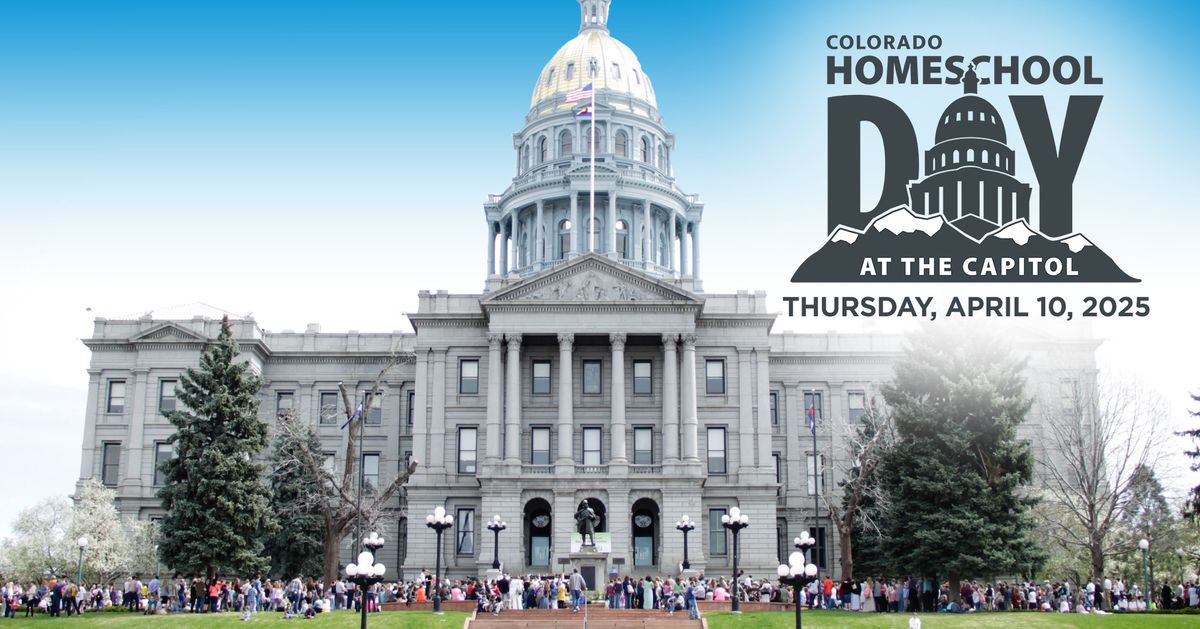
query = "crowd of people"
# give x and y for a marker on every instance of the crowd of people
(306, 597)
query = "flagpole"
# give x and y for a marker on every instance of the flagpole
(816, 482)
(592, 160)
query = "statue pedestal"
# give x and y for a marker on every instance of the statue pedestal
(592, 564)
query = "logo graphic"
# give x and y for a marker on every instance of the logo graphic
(968, 218)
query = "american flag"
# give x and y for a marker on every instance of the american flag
(580, 94)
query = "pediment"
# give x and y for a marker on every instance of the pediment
(602, 169)
(167, 332)
(592, 278)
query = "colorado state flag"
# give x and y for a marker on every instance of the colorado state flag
(584, 112)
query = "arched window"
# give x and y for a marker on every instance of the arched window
(550, 76)
(957, 158)
(525, 157)
(970, 155)
(664, 250)
(622, 148)
(564, 144)
(983, 156)
(538, 525)
(622, 239)
(543, 150)
(943, 160)
(644, 150)
(662, 157)
(644, 521)
(523, 250)
(564, 238)
(587, 138)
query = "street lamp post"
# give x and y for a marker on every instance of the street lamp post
(495, 526)
(686, 525)
(734, 522)
(439, 522)
(796, 573)
(83, 542)
(1144, 544)
(366, 572)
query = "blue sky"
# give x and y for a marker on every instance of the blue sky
(323, 161)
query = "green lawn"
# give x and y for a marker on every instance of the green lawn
(334, 620)
(996, 620)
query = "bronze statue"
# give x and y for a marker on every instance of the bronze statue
(587, 521)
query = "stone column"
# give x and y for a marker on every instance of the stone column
(132, 475)
(491, 250)
(648, 235)
(690, 425)
(87, 466)
(618, 397)
(745, 384)
(512, 427)
(670, 398)
(494, 396)
(420, 406)
(610, 210)
(763, 444)
(538, 237)
(566, 405)
(576, 226)
(671, 240)
(696, 251)
(437, 420)
(503, 249)
(516, 240)
(685, 265)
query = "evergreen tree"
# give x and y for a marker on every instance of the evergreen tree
(1192, 508)
(215, 500)
(296, 545)
(957, 468)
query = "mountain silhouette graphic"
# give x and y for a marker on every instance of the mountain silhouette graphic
(899, 233)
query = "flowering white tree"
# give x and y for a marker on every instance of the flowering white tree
(107, 554)
(40, 545)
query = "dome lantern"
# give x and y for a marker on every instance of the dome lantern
(593, 15)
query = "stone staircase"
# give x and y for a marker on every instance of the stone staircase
(597, 618)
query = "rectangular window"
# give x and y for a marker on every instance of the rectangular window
(163, 452)
(116, 396)
(541, 377)
(774, 408)
(468, 377)
(816, 473)
(571, 71)
(643, 377)
(465, 521)
(283, 403)
(778, 467)
(616, 71)
(817, 554)
(373, 407)
(468, 448)
(714, 376)
(812, 403)
(166, 395)
(539, 446)
(1069, 395)
(716, 534)
(409, 412)
(329, 407)
(643, 446)
(716, 450)
(592, 377)
(110, 464)
(370, 471)
(858, 405)
(591, 446)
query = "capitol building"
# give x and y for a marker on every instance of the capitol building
(593, 365)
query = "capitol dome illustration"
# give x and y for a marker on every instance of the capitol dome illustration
(970, 170)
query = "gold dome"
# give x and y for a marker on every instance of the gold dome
(617, 70)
